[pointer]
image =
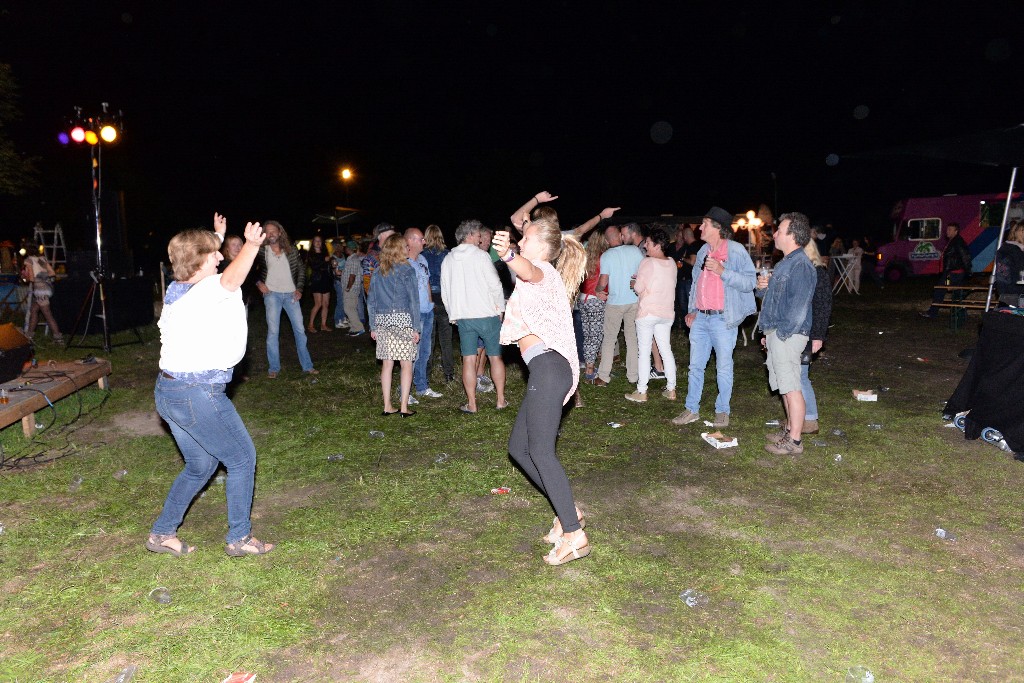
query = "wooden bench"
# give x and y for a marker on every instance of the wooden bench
(965, 298)
(42, 386)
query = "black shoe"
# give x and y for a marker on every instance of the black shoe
(409, 414)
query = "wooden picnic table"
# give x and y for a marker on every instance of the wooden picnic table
(40, 387)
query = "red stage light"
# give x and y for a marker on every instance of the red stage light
(78, 134)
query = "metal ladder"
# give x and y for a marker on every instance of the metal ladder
(54, 249)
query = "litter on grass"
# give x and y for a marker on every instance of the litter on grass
(126, 675)
(500, 491)
(865, 395)
(336, 457)
(719, 440)
(944, 535)
(120, 474)
(441, 459)
(771, 423)
(875, 427)
(694, 598)
(160, 595)
(859, 674)
(614, 425)
(376, 435)
(240, 677)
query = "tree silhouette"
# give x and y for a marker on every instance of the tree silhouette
(17, 173)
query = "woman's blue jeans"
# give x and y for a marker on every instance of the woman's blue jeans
(808, 391)
(208, 432)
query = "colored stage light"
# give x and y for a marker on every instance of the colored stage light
(91, 137)
(63, 138)
(108, 133)
(78, 134)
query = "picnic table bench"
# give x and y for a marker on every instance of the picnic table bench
(41, 387)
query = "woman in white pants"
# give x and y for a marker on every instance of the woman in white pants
(655, 285)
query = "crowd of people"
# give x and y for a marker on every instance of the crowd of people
(533, 286)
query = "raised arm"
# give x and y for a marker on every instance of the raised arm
(234, 275)
(523, 268)
(523, 212)
(583, 229)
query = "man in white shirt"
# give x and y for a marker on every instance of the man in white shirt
(472, 294)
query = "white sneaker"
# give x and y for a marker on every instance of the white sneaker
(655, 374)
(430, 393)
(412, 400)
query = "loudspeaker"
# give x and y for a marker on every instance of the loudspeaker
(129, 303)
(15, 349)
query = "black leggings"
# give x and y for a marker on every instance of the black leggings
(532, 444)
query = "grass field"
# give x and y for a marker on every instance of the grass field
(395, 563)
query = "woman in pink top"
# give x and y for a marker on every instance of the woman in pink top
(655, 285)
(538, 318)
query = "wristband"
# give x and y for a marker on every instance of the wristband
(220, 236)
(508, 258)
(535, 199)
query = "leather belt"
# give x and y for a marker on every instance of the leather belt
(701, 310)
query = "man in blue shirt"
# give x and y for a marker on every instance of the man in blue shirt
(414, 248)
(786, 321)
(618, 267)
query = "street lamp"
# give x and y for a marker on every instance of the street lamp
(346, 178)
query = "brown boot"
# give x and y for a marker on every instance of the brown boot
(810, 427)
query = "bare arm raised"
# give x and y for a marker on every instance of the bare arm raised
(583, 229)
(522, 267)
(234, 275)
(523, 212)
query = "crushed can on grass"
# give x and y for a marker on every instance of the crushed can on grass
(694, 598)
(614, 425)
(240, 677)
(500, 491)
(376, 435)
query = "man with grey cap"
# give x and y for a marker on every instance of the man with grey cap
(721, 297)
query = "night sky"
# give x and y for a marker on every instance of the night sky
(448, 111)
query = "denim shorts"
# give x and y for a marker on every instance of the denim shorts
(488, 329)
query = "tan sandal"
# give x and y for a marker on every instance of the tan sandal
(567, 550)
(556, 528)
(248, 546)
(155, 544)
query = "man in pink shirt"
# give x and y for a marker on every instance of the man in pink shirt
(722, 296)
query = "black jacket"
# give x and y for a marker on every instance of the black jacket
(956, 256)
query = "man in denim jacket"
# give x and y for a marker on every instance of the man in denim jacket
(786, 321)
(721, 297)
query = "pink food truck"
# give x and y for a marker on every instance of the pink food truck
(919, 232)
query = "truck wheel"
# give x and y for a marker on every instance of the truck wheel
(895, 273)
